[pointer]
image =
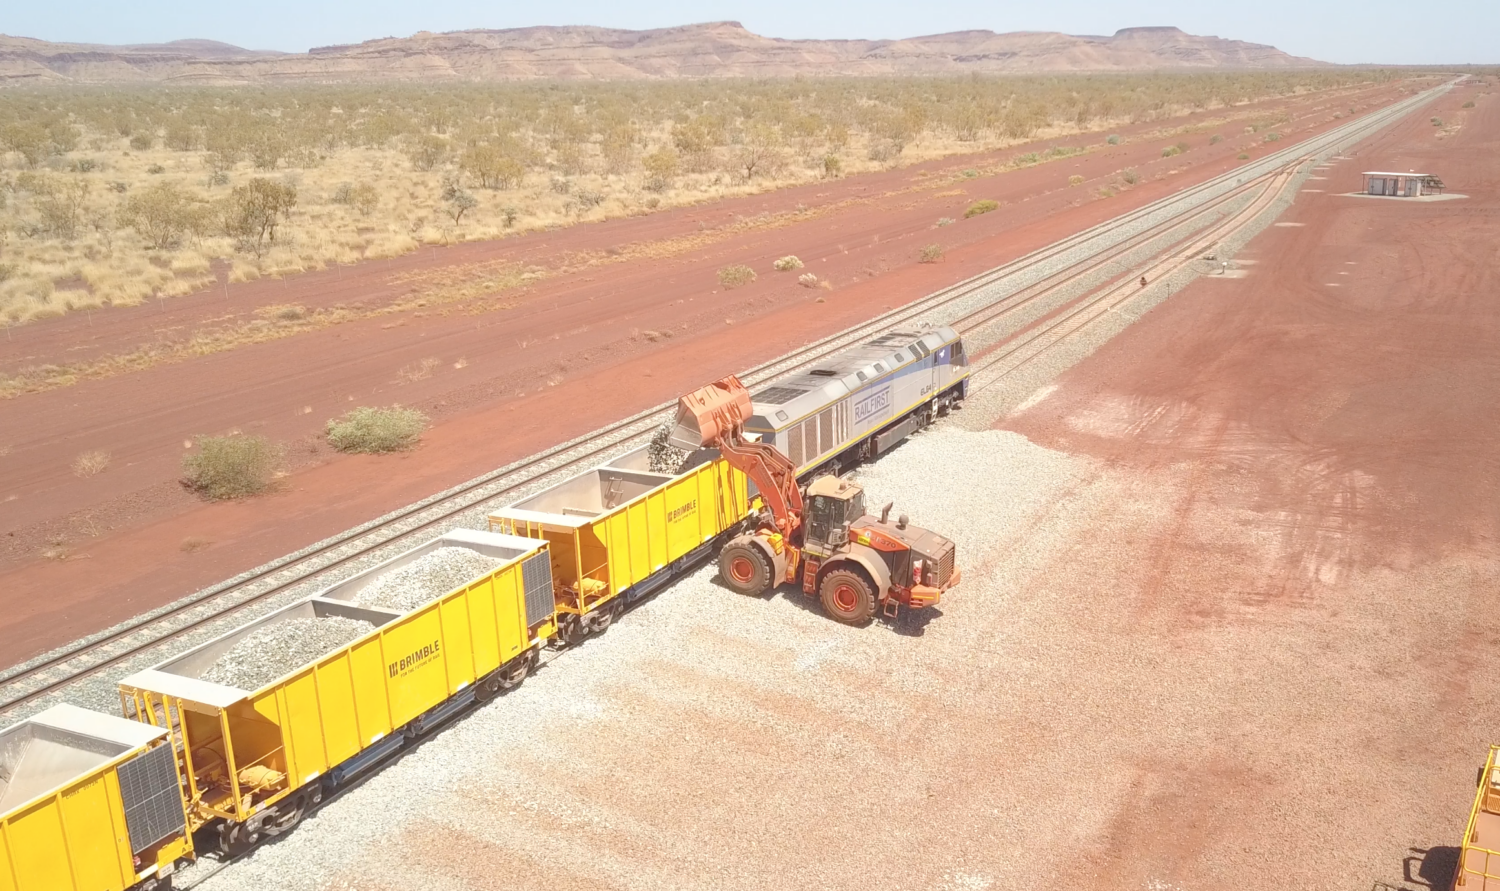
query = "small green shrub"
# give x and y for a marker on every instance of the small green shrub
(1242, 156)
(983, 205)
(931, 254)
(1170, 150)
(232, 466)
(1272, 137)
(734, 276)
(1113, 139)
(377, 430)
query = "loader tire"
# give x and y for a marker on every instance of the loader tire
(745, 568)
(847, 596)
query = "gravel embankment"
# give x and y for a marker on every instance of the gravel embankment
(271, 651)
(429, 576)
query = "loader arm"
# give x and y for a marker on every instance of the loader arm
(714, 416)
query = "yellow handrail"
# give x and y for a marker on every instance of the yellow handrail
(1469, 831)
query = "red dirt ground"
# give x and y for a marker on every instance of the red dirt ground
(1335, 412)
(567, 355)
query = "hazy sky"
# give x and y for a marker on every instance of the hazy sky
(1444, 31)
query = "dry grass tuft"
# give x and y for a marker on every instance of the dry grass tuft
(983, 205)
(931, 254)
(377, 430)
(192, 545)
(233, 466)
(90, 463)
(1075, 180)
(418, 371)
(808, 279)
(736, 275)
(787, 264)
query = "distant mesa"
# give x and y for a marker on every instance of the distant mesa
(713, 49)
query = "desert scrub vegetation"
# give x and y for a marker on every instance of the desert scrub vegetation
(114, 196)
(90, 463)
(983, 205)
(236, 465)
(787, 263)
(930, 254)
(377, 430)
(736, 275)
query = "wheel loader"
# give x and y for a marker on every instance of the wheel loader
(822, 536)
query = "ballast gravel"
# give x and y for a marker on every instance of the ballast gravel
(271, 651)
(429, 576)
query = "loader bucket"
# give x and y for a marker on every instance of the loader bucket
(708, 413)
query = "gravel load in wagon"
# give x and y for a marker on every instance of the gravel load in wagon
(428, 577)
(663, 457)
(272, 651)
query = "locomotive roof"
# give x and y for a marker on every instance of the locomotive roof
(838, 375)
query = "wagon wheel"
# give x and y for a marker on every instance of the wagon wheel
(744, 568)
(602, 619)
(238, 840)
(570, 629)
(290, 813)
(511, 676)
(489, 686)
(847, 596)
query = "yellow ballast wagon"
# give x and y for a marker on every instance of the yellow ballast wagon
(88, 802)
(291, 705)
(619, 531)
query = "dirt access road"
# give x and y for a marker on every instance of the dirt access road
(1305, 539)
(621, 315)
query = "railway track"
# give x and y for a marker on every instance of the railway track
(1172, 220)
(999, 361)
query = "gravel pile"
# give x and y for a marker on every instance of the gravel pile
(664, 458)
(432, 575)
(271, 651)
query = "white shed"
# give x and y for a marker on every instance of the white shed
(1404, 185)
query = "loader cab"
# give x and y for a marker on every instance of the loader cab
(832, 504)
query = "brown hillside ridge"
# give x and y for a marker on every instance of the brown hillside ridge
(716, 49)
